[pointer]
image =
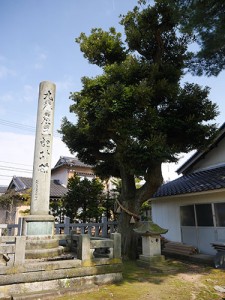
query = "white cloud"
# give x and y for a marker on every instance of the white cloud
(5, 100)
(65, 85)
(29, 93)
(2, 58)
(40, 58)
(169, 169)
(6, 72)
(7, 97)
(19, 149)
(7, 68)
(59, 149)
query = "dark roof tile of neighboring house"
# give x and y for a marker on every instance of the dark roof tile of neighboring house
(70, 162)
(3, 189)
(57, 190)
(200, 181)
(22, 183)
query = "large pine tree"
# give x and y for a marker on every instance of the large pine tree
(205, 20)
(136, 115)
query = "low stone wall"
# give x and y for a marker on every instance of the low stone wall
(44, 275)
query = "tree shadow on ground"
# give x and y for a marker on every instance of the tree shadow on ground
(179, 280)
(156, 275)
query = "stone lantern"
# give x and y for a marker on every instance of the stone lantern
(151, 243)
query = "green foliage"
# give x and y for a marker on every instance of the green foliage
(145, 210)
(57, 209)
(206, 20)
(13, 198)
(136, 115)
(145, 206)
(84, 199)
(26, 196)
(102, 47)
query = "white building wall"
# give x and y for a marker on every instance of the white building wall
(215, 157)
(61, 175)
(166, 211)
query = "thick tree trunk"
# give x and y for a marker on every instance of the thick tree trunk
(131, 200)
(153, 180)
(129, 239)
(128, 193)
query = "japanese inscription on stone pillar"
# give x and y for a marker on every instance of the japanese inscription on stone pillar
(43, 149)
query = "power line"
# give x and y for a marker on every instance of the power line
(4, 167)
(7, 162)
(17, 125)
(22, 126)
(14, 169)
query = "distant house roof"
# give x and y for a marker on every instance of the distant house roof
(70, 162)
(187, 166)
(210, 179)
(3, 189)
(57, 190)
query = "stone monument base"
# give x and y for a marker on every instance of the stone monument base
(155, 262)
(40, 241)
(42, 247)
(38, 225)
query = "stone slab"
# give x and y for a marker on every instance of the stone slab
(54, 280)
(53, 274)
(40, 265)
(51, 294)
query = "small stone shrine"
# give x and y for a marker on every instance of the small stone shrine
(151, 243)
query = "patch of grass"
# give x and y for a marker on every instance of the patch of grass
(181, 280)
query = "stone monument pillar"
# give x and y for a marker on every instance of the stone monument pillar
(39, 222)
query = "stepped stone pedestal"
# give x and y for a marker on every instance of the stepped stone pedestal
(42, 247)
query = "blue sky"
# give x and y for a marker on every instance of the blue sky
(37, 44)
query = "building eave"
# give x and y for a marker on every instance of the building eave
(200, 154)
(168, 198)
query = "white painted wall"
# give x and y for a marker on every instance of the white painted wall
(61, 174)
(215, 157)
(166, 211)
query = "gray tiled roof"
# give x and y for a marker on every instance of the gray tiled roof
(70, 161)
(22, 183)
(57, 190)
(200, 181)
(3, 189)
